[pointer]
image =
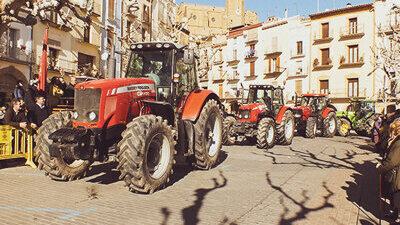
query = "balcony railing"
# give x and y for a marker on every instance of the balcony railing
(317, 65)
(343, 93)
(14, 53)
(232, 59)
(62, 64)
(348, 32)
(233, 77)
(318, 37)
(251, 54)
(346, 63)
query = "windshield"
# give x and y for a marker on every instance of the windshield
(305, 101)
(152, 64)
(260, 96)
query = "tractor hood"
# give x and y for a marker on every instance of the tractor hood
(302, 108)
(250, 106)
(113, 83)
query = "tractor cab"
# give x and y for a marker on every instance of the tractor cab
(261, 98)
(169, 65)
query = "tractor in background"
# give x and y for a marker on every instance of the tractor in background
(314, 112)
(145, 121)
(359, 116)
(264, 118)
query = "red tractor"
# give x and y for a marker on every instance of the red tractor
(314, 112)
(264, 117)
(145, 121)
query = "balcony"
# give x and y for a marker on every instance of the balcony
(272, 53)
(273, 74)
(292, 74)
(317, 66)
(218, 62)
(232, 60)
(346, 63)
(295, 55)
(204, 79)
(14, 54)
(347, 32)
(251, 54)
(319, 38)
(252, 37)
(233, 78)
(389, 27)
(342, 93)
(57, 64)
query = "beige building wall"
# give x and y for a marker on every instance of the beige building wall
(347, 71)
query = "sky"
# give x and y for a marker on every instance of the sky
(266, 8)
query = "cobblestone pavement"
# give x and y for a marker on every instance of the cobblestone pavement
(318, 181)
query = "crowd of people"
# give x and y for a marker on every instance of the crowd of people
(28, 108)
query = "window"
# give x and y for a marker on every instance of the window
(52, 59)
(252, 68)
(85, 63)
(353, 87)
(86, 33)
(187, 80)
(324, 86)
(52, 16)
(235, 54)
(128, 28)
(299, 48)
(325, 30)
(353, 26)
(220, 55)
(146, 14)
(110, 38)
(13, 37)
(325, 57)
(353, 53)
(221, 73)
(221, 91)
(273, 65)
(299, 87)
(111, 5)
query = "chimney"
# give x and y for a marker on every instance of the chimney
(286, 13)
(349, 4)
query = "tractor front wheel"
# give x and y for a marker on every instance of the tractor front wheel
(285, 130)
(344, 127)
(228, 135)
(208, 135)
(266, 133)
(330, 125)
(311, 127)
(146, 154)
(58, 168)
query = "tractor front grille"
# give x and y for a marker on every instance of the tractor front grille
(244, 113)
(87, 101)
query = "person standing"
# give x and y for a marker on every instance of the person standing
(19, 92)
(389, 168)
(15, 116)
(31, 94)
(39, 111)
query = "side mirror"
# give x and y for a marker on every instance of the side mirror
(188, 56)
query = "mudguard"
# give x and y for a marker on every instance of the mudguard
(326, 111)
(195, 103)
(280, 114)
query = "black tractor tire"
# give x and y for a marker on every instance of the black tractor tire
(228, 138)
(311, 127)
(344, 127)
(57, 168)
(285, 133)
(366, 129)
(266, 133)
(208, 135)
(146, 154)
(329, 125)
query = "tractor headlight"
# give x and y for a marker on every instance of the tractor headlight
(76, 115)
(246, 116)
(92, 116)
(240, 116)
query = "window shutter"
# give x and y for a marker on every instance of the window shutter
(269, 65)
(278, 64)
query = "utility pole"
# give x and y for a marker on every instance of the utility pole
(317, 5)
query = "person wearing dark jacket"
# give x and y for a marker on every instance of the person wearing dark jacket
(390, 167)
(15, 116)
(30, 95)
(39, 111)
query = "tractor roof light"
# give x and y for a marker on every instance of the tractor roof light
(158, 45)
(133, 46)
(167, 45)
(139, 46)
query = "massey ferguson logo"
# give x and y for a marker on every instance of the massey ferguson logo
(136, 87)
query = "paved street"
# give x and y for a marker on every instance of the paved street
(319, 181)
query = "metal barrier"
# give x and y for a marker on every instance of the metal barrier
(16, 143)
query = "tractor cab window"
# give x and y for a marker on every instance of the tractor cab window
(278, 97)
(260, 96)
(186, 75)
(155, 65)
(305, 101)
(321, 103)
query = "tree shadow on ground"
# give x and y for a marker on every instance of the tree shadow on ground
(190, 214)
(363, 192)
(304, 210)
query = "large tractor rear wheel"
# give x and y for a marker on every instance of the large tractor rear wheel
(208, 135)
(285, 129)
(228, 136)
(146, 154)
(344, 127)
(330, 125)
(311, 127)
(266, 133)
(59, 168)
